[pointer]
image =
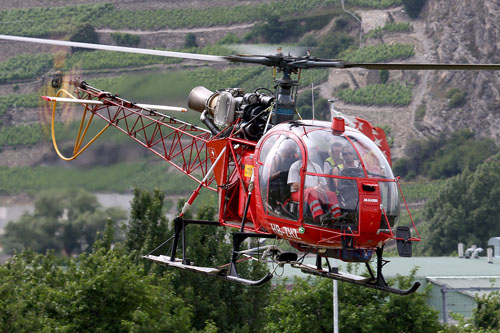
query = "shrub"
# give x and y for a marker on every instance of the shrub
(457, 98)
(84, 33)
(413, 7)
(124, 39)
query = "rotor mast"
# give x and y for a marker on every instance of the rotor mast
(284, 109)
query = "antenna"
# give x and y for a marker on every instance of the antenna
(312, 97)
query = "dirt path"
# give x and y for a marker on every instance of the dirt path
(181, 31)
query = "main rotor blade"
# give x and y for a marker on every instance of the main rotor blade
(459, 67)
(171, 54)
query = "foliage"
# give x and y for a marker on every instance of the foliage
(53, 21)
(229, 38)
(147, 226)
(190, 40)
(456, 98)
(24, 66)
(420, 190)
(333, 44)
(65, 222)
(84, 33)
(384, 76)
(22, 135)
(374, 3)
(125, 39)
(15, 101)
(321, 106)
(203, 17)
(389, 27)
(487, 314)
(464, 210)
(380, 53)
(445, 156)
(41, 22)
(99, 60)
(210, 246)
(307, 307)
(278, 28)
(393, 93)
(100, 292)
(413, 7)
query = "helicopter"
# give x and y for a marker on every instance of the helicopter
(267, 167)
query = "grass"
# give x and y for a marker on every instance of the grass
(119, 178)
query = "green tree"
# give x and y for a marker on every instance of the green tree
(210, 246)
(464, 210)
(446, 155)
(124, 39)
(84, 33)
(307, 307)
(487, 314)
(190, 41)
(98, 292)
(148, 226)
(413, 7)
(66, 222)
(332, 44)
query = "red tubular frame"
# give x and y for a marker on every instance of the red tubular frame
(181, 144)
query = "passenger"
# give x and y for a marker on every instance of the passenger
(316, 192)
(335, 159)
(334, 163)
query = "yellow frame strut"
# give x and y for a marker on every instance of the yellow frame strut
(77, 150)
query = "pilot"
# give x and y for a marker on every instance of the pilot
(316, 192)
(350, 158)
(286, 155)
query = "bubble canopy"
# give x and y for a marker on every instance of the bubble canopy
(334, 163)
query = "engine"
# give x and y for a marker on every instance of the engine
(220, 109)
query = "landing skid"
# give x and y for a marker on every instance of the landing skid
(356, 279)
(220, 273)
(227, 272)
(375, 282)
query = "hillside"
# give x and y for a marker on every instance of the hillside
(438, 35)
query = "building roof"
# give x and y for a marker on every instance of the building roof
(442, 266)
(427, 267)
(466, 282)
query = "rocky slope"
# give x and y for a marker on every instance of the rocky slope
(464, 31)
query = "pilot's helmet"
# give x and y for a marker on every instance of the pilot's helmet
(288, 148)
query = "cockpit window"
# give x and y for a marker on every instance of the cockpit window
(277, 155)
(373, 159)
(329, 193)
(328, 200)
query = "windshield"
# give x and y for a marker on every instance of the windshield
(332, 167)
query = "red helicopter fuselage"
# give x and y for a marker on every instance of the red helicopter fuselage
(301, 196)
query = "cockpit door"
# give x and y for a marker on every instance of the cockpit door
(279, 152)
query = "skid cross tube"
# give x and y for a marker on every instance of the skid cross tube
(238, 238)
(180, 229)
